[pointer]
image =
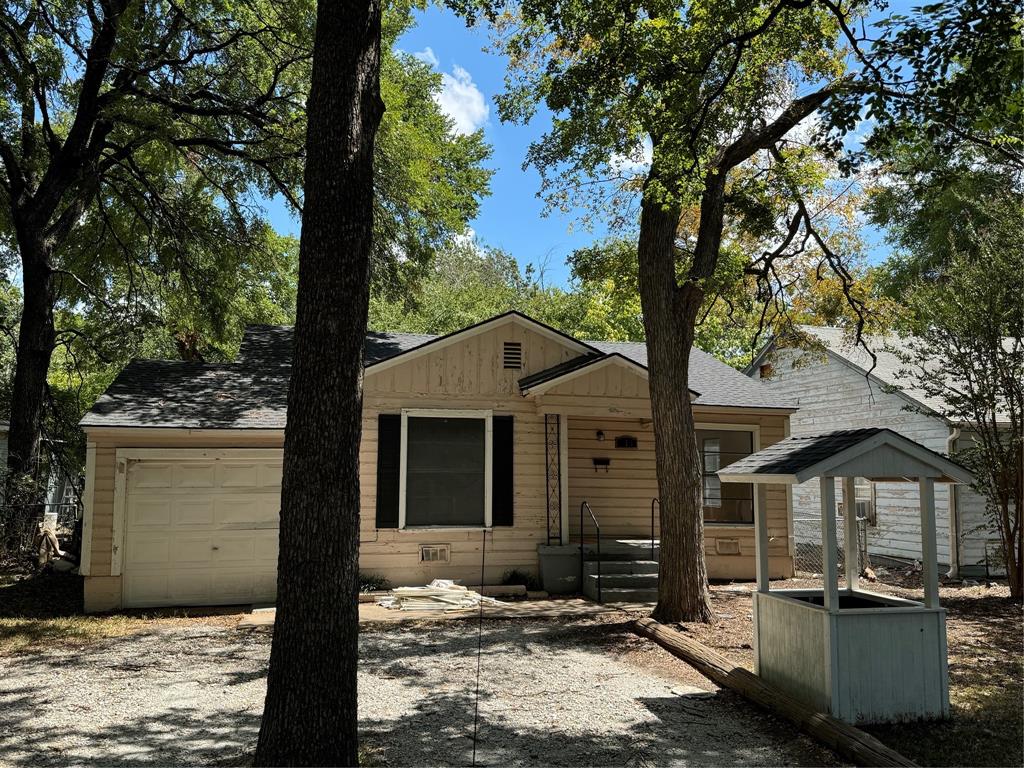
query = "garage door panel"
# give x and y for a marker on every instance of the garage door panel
(266, 549)
(192, 512)
(238, 475)
(202, 532)
(146, 589)
(150, 511)
(148, 551)
(150, 474)
(257, 510)
(195, 475)
(191, 550)
(265, 584)
(270, 475)
(234, 550)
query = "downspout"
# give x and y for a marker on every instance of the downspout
(954, 516)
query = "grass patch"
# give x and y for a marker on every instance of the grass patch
(44, 612)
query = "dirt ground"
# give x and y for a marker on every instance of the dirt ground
(180, 658)
(552, 692)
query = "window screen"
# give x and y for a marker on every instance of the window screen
(725, 502)
(445, 472)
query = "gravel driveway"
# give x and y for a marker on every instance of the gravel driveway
(551, 693)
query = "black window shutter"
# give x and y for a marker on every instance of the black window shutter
(502, 486)
(389, 454)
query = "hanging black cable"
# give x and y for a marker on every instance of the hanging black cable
(479, 644)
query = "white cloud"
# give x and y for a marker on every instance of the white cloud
(637, 161)
(427, 56)
(461, 100)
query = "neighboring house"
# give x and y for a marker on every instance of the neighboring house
(498, 431)
(833, 390)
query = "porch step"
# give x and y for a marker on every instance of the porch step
(632, 580)
(622, 587)
(627, 595)
(609, 567)
(627, 553)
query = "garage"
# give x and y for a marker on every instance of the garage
(199, 526)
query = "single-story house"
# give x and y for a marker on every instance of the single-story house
(830, 383)
(499, 431)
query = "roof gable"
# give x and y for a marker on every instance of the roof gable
(435, 343)
(544, 381)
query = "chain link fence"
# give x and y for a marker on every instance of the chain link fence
(807, 536)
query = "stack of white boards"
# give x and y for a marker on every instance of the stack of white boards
(440, 595)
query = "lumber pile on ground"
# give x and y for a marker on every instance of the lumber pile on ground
(441, 595)
(851, 742)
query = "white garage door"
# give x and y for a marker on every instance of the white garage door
(201, 530)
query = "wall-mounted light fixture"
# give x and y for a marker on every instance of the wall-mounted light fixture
(600, 436)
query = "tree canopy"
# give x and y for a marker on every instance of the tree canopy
(139, 145)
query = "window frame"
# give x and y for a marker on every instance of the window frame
(487, 416)
(755, 446)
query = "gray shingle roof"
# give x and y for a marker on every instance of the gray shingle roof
(272, 345)
(718, 384)
(161, 393)
(790, 456)
(252, 392)
(801, 458)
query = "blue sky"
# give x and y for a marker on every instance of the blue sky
(512, 217)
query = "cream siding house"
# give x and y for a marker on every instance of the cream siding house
(833, 390)
(493, 435)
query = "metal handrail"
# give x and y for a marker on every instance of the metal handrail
(597, 528)
(654, 502)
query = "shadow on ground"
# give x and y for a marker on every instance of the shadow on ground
(187, 696)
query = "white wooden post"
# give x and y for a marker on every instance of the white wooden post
(760, 541)
(828, 543)
(929, 552)
(851, 546)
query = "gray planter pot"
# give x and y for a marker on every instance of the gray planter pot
(559, 568)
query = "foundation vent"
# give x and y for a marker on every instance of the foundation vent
(435, 553)
(513, 355)
(727, 546)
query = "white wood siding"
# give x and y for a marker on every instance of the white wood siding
(832, 395)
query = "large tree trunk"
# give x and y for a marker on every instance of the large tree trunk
(670, 316)
(310, 715)
(35, 348)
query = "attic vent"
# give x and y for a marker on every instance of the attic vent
(513, 355)
(435, 553)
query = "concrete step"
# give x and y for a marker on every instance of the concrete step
(622, 549)
(618, 556)
(621, 594)
(620, 566)
(632, 580)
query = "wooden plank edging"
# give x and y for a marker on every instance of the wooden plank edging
(849, 741)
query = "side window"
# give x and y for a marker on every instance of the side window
(711, 455)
